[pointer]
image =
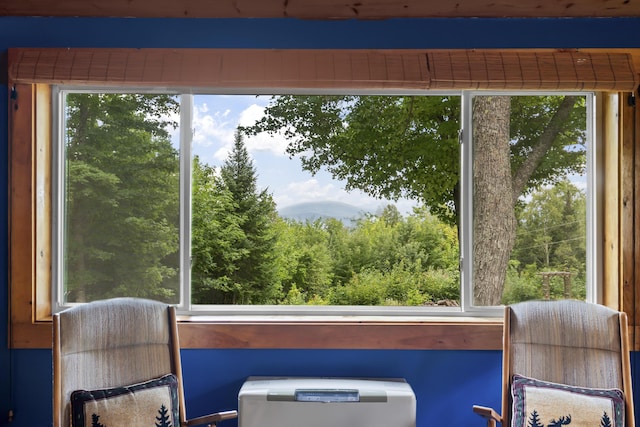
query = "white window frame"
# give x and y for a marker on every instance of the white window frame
(594, 232)
(280, 312)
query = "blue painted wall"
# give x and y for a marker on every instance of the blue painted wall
(446, 383)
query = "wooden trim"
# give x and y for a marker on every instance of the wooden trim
(629, 211)
(530, 70)
(506, 368)
(320, 9)
(221, 68)
(356, 69)
(609, 148)
(57, 381)
(21, 206)
(176, 363)
(42, 202)
(627, 382)
(466, 335)
(425, 335)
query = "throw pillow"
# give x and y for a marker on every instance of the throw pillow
(150, 403)
(545, 404)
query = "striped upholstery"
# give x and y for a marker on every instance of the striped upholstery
(110, 343)
(569, 342)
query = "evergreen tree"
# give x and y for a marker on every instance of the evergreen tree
(253, 278)
(605, 421)
(215, 237)
(163, 417)
(121, 207)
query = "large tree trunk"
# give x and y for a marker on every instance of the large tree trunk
(494, 221)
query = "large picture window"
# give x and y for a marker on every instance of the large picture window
(322, 203)
(37, 206)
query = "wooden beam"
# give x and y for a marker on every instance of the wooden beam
(321, 9)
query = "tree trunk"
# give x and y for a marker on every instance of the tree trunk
(494, 221)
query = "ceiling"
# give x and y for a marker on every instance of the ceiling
(322, 9)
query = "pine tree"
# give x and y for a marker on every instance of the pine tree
(163, 418)
(122, 197)
(254, 276)
(534, 420)
(214, 239)
(605, 421)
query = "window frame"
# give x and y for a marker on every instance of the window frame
(30, 326)
(185, 307)
(594, 196)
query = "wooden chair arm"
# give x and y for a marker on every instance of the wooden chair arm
(489, 414)
(212, 419)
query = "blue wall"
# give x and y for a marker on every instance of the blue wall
(446, 383)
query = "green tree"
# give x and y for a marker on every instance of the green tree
(304, 260)
(254, 276)
(408, 147)
(216, 237)
(551, 231)
(121, 199)
(605, 421)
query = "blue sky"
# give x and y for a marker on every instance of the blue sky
(215, 120)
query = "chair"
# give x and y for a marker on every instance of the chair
(568, 342)
(116, 343)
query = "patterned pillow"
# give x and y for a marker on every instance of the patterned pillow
(544, 404)
(151, 403)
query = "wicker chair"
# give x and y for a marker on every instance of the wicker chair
(115, 343)
(568, 342)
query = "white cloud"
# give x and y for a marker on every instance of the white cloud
(215, 130)
(213, 133)
(215, 125)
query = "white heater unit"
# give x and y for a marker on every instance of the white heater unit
(322, 402)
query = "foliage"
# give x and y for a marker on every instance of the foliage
(407, 146)
(397, 146)
(122, 197)
(215, 236)
(245, 272)
(122, 205)
(551, 228)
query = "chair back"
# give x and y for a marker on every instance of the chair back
(568, 342)
(111, 343)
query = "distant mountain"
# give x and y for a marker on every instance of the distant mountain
(312, 211)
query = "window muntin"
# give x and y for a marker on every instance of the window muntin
(186, 228)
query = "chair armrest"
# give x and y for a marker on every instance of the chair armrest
(212, 419)
(489, 414)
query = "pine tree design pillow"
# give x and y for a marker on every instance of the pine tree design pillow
(545, 404)
(152, 403)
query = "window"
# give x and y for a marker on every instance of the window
(529, 233)
(32, 71)
(148, 210)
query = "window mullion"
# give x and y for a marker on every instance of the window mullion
(186, 136)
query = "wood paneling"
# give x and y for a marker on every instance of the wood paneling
(449, 335)
(427, 335)
(21, 203)
(321, 9)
